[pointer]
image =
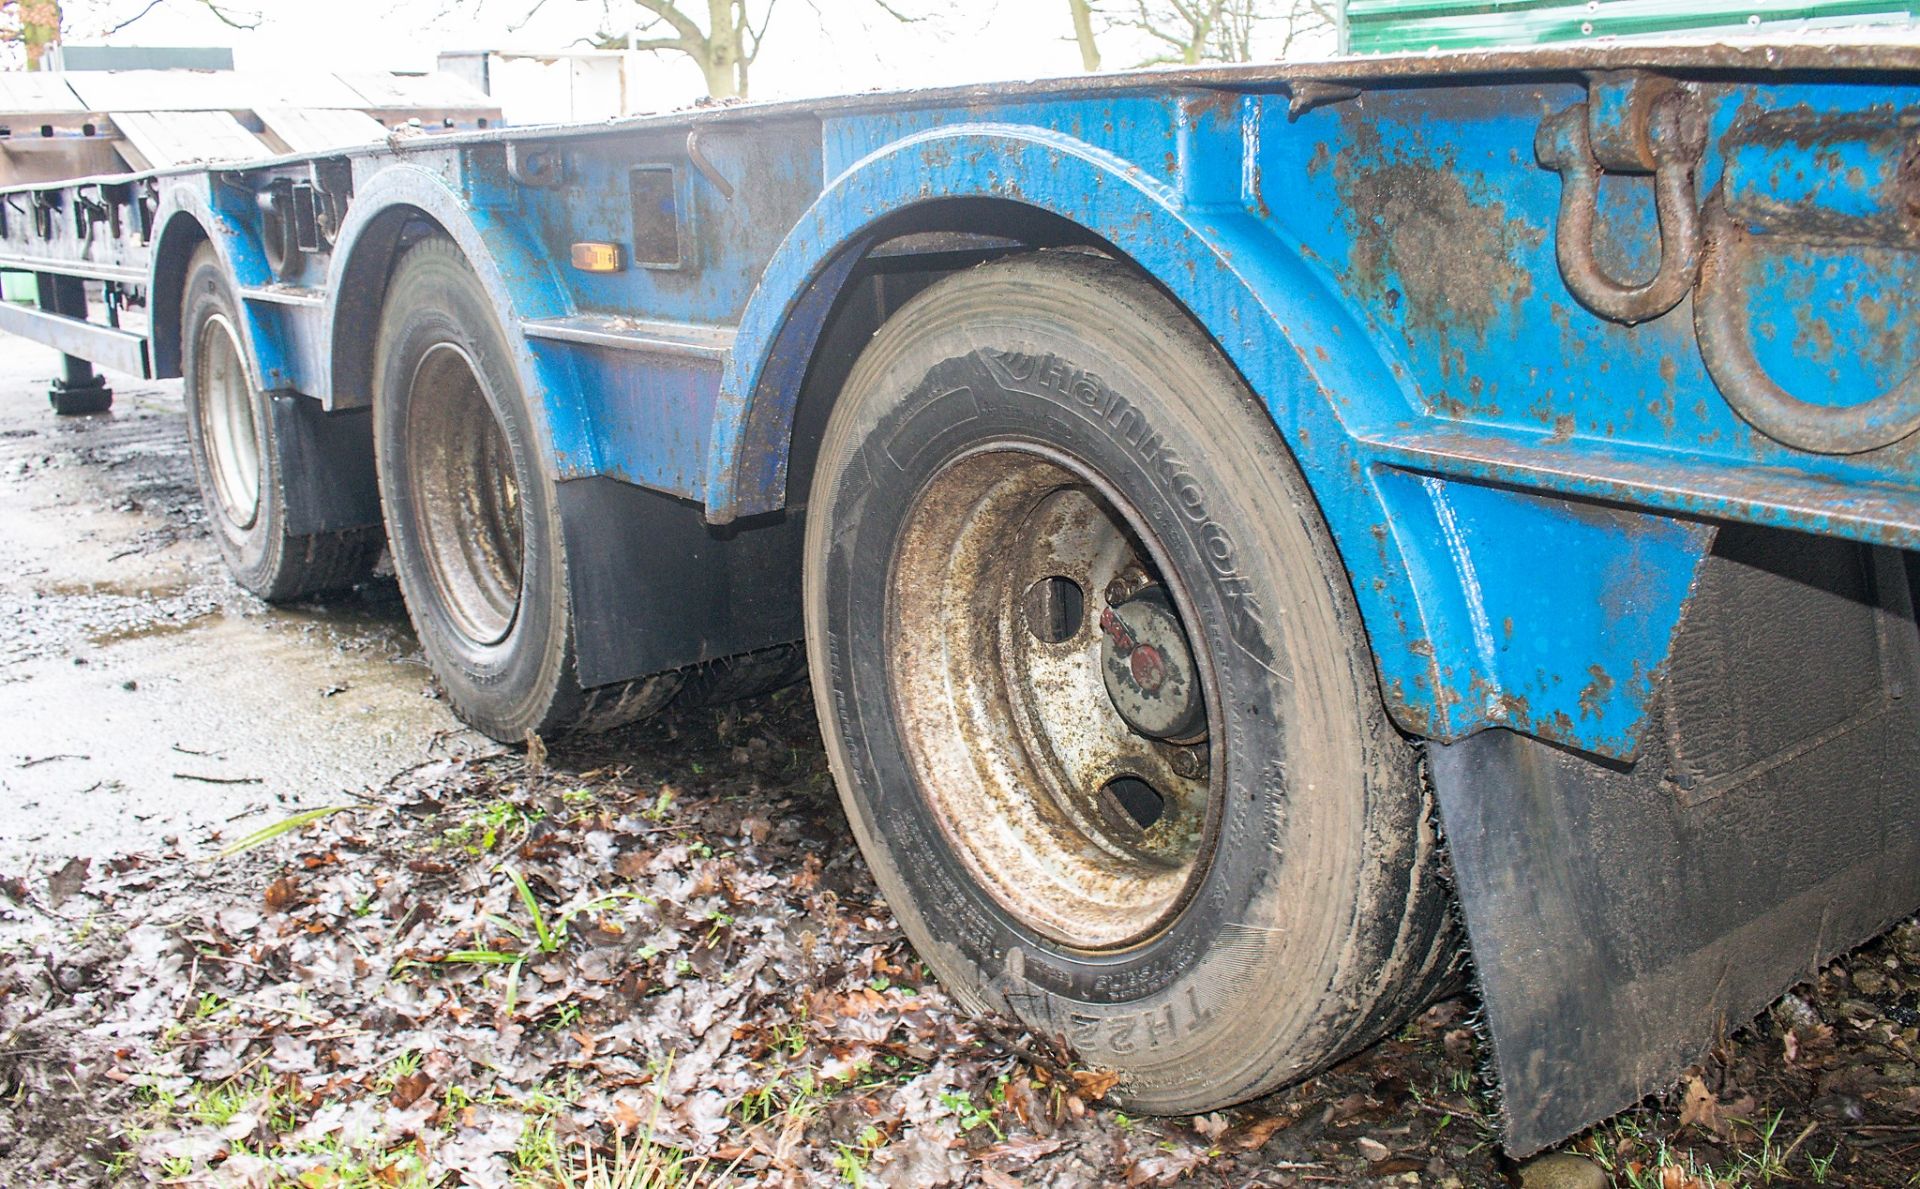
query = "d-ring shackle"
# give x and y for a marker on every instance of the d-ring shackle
(1871, 205)
(1675, 136)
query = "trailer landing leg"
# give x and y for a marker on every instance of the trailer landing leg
(80, 390)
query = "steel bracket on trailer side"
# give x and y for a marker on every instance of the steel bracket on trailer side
(1626, 916)
(120, 350)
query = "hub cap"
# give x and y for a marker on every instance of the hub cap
(1053, 710)
(466, 500)
(1148, 668)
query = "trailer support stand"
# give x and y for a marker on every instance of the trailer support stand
(79, 389)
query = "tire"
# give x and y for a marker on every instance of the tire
(472, 514)
(238, 462)
(748, 675)
(1214, 880)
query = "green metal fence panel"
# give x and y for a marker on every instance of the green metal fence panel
(1385, 26)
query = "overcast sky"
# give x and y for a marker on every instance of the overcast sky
(814, 47)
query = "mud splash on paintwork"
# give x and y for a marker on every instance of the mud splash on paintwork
(1429, 254)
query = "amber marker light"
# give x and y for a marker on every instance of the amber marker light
(594, 257)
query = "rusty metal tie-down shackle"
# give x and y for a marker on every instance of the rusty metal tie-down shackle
(1668, 142)
(1641, 124)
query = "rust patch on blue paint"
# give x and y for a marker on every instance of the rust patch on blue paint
(1421, 239)
(1593, 698)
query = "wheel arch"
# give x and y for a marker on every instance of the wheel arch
(188, 218)
(181, 236)
(404, 200)
(1223, 268)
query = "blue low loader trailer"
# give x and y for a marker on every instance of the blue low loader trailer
(1269, 543)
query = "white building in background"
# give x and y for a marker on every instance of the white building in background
(559, 86)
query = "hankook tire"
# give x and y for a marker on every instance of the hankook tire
(1096, 695)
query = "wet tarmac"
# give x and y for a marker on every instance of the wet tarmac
(144, 697)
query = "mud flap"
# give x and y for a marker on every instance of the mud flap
(1624, 917)
(326, 465)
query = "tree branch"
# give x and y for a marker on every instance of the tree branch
(228, 19)
(151, 5)
(749, 54)
(682, 23)
(516, 26)
(649, 46)
(225, 16)
(896, 14)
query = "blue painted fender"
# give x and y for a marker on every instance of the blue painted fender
(1455, 625)
(190, 206)
(516, 275)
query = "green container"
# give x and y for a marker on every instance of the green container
(19, 286)
(1397, 26)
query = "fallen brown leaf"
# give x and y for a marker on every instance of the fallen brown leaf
(1257, 1133)
(282, 893)
(1699, 1108)
(1094, 1084)
(624, 1118)
(67, 881)
(407, 1090)
(1672, 1176)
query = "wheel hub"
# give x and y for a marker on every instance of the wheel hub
(466, 496)
(1040, 672)
(1148, 668)
(223, 401)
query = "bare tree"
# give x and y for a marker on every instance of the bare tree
(1083, 33)
(1185, 27)
(35, 26)
(724, 40)
(114, 17)
(724, 47)
(1190, 31)
(1292, 20)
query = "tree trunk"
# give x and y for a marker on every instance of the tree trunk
(39, 28)
(1083, 33)
(1204, 19)
(726, 60)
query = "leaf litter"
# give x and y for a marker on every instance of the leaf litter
(656, 958)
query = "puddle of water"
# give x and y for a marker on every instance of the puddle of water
(149, 630)
(141, 586)
(176, 733)
(144, 696)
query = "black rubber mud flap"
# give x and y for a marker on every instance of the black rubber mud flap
(655, 587)
(326, 464)
(1624, 917)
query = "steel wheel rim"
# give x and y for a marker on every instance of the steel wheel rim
(465, 495)
(223, 401)
(1037, 809)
